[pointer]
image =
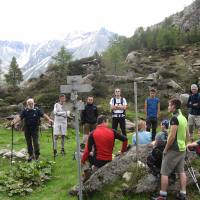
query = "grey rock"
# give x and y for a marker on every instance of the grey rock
(3, 151)
(89, 78)
(174, 85)
(130, 125)
(112, 171)
(127, 176)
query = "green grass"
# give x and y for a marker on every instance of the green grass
(65, 171)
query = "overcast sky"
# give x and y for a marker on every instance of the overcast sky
(37, 20)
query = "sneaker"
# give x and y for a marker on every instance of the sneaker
(159, 198)
(62, 151)
(55, 152)
(181, 196)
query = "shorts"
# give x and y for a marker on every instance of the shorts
(194, 120)
(173, 160)
(59, 129)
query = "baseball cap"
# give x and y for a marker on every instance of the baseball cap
(194, 86)
(165, 123)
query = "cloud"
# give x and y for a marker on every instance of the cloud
(36, 20)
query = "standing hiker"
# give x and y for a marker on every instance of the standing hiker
(118, 106)
(175, 151)
(152, 112)
(194, 111)
(89, 118)
(31, 116)
(60, 124)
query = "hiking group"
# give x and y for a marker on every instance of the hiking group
(170, 144)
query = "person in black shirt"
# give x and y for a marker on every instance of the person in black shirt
(31, 116)
(194, 111)
(89, 117)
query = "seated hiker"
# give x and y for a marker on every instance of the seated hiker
(194, 146)
(144, 137)
(154, 160)
(99, 147)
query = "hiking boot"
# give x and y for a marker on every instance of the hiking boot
(62, 152)
(159, 198)
(55, 152)
(36, 157)
(30, 158)
(181, 196)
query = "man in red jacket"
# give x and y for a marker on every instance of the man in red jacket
(100, 144)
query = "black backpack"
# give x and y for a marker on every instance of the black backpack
(121, 102)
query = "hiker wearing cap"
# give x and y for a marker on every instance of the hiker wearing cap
(31, 116)
(89, 118)
(144, 137)
(154, 160)
(194, 111)
(60, 123)
(162, 136)
(101, 142)
(174, 151)
(118, 106)
(152, 111)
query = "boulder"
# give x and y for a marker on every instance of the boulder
(89, 78)
(174, 85)
(111, 172)
(132, 57)
(111, 78)
(3, 151)
(127, 176)
(130, 125)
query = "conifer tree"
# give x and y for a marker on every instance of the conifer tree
(14, 76)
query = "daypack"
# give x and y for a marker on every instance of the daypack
(154, 160)
(121, 102)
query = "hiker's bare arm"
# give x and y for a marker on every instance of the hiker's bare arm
(16, 120)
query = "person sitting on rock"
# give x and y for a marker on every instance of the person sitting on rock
(194, 146)
(154, 160)
(144, 137)
(100, 144)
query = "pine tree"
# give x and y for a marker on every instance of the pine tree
(62, 58)
(14, 76)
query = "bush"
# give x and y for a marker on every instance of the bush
(24, 177)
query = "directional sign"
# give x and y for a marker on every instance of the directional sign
(78, 88)
(65, 89)
(74, 79)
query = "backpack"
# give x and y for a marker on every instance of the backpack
(121, 102)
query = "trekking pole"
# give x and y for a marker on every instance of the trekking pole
(191, 172)
(53, 146)
(11, 156)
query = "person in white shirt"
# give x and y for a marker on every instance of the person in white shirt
(118, 106)
(60, 123)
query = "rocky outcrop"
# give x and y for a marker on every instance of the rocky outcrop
(133, 58)
(130, 126)
(121, 165)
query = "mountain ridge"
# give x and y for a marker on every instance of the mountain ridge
(33, 59)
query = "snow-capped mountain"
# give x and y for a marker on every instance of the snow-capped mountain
(33, 59)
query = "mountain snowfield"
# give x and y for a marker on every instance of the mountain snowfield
(33, 59)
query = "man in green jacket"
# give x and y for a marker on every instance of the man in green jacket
(175, 150)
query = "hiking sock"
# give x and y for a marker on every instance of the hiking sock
(163, 193)
(183, 192)
(63, 141)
